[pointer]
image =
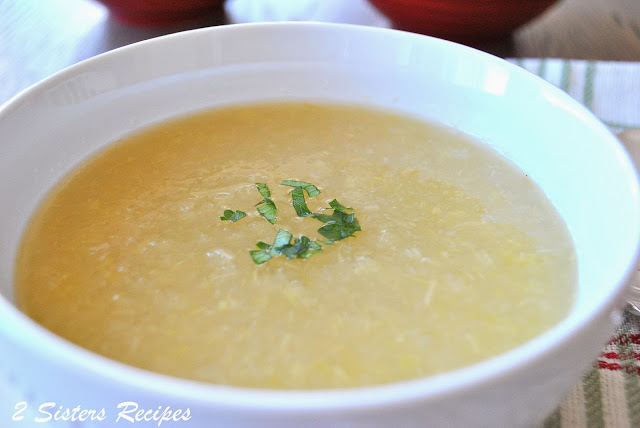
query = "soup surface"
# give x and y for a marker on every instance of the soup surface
(459, 255)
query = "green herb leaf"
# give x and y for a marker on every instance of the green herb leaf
(338, 225)
(282, 239)
(301, 248)
(308, 187)
(313, 245)
(268, 210)
(233, 216)
(337, 206)
(299, 203)
(266, 207)
(312, 248)
(263, 245)
(264, 190)
(326, 218)
(260, 256)
(338, 231)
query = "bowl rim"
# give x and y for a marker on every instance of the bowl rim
(32, 336)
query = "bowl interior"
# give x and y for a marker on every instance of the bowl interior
(576, 161)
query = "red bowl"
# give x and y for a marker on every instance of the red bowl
(155, 13)
(461, 20)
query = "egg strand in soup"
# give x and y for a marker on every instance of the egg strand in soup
(159, 252)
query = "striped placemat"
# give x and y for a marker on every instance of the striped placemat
(609, 393)
(610, 89)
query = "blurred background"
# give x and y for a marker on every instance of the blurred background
(41, 37)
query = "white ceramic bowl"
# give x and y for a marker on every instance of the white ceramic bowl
(578, 163)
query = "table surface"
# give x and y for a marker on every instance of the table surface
(39, 38)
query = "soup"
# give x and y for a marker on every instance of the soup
(180, 250)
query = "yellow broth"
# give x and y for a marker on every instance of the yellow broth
(460, 256)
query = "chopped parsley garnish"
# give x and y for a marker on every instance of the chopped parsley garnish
(233, 215)
(338, 225)
(267, 210)
(301, 248)
(260, 256)
(308, 187)
(299, 203)
(337, 206)
(264, 190)
(266, 207)
(282, 238)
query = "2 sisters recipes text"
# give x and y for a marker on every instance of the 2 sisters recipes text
(126, 411)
